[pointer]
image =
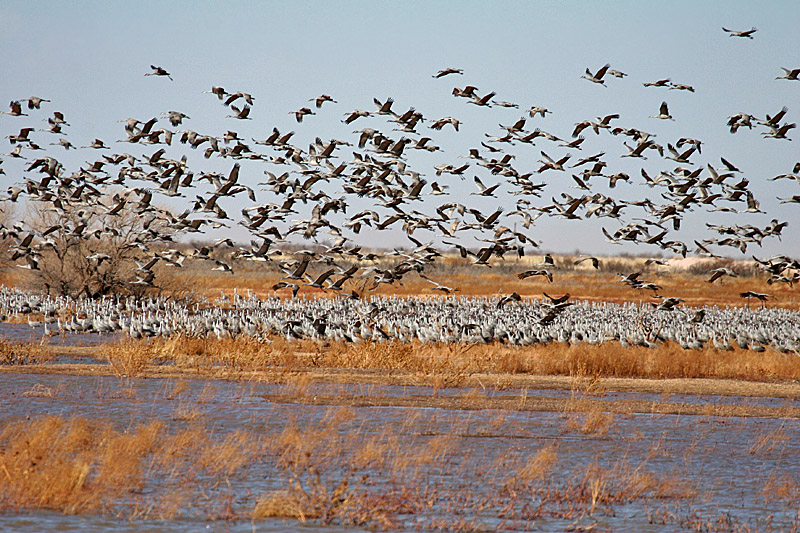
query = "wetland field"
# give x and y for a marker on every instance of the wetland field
(104, 431)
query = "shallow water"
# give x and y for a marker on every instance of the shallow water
(22, 333)
(714, 456)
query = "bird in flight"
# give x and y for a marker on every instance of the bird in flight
(789, 74)
(748, 33)
(597, 77)
(445, 72)
(158, 71)
(663, 112)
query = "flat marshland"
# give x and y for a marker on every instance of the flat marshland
(237, 434)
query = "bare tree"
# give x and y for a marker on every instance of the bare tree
(83, 248)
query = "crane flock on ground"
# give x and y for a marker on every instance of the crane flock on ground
(435, 319)
(373, 169)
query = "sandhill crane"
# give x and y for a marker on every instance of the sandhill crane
(21, 137)
(321, 99)
(483, 101)
(222, 266)
(96, 144)
(301, 113)
(466, 92)
(773, 121)
(663, 112)
(780, 133)
(719, 272)
(594, 260)
(747, 33)
(232, 97)
(241, 114)
(319, 283)
(300, 268)
(536, 272)
(449, 70)
(760, 296)
(355, 114)
(538, 109)
(65, 143)
(740, 119)
(16, 110)
(505, 300)
(34, 102)
(286, 285)
(483, 190)
(789, 74)
(158, 71)
(681, 87)
(175, 117)
(219, 91)
(573, 144)
(658, 83)
(439, 286)
(549, 163)
(442, 122)
(384, 108)
(597, 77)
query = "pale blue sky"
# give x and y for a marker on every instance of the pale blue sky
(90, 58)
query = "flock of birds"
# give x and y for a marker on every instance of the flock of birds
(321, 183)
(436, 319)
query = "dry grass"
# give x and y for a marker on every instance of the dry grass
(129, 358)
(595, 422)
(14, 353)
(781, 487)
(74, 466)
(448, 365)
(771, 442)
(327, 470)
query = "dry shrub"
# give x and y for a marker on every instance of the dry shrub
(130, 358)
(765, 444)
(623, 482)
(782, 487)
(636, 483)
(297, 448)
(121, 456)
(598, 485)
(72, 466)
(187, 412)
(237, 354)
(668, 360)
(308, 497)
(595, 422)
(208, 394)
(329, 473)
(449, 365)
(280, 504)
(389, 355)
(235, 451)
(375, 452)
(177, 389)
(539, 466)
(181, 448)
(14, 353)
